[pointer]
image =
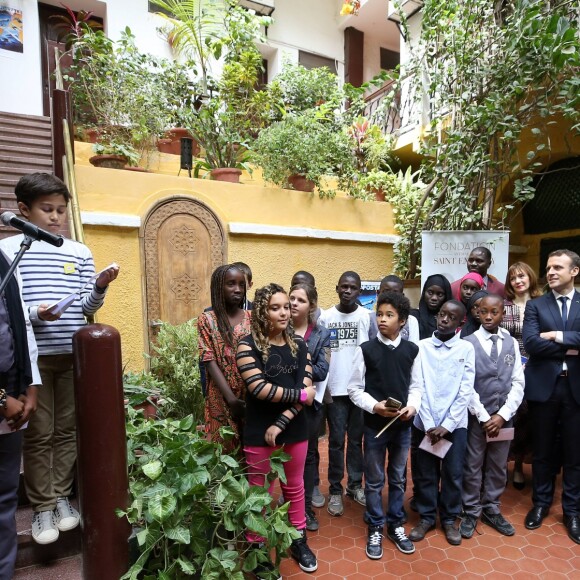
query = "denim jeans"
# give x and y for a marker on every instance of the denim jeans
(345, 419)
(397, 443)
(429, 470)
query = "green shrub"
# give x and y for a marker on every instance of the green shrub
(191, 505)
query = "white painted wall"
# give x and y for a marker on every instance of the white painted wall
(310, 25)
(20, 74)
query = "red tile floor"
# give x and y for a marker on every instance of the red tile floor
(545, 553)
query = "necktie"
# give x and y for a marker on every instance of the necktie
(493, 355)
(564, 301)
(391, 346)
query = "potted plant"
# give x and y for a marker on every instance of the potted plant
(114, 155)
(225, 152)
(305, 146)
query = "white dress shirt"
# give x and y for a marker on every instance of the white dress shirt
(356, 384)
(448, 373)
(516, 394)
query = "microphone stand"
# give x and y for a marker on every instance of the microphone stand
(25, 245)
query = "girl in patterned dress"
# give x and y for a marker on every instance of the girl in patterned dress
(220, 330)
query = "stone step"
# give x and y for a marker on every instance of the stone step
(36, 163)
(20, 150)
(64, 569)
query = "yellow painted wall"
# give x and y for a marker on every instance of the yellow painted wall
(272, 258)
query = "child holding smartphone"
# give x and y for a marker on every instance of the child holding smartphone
(387, 383)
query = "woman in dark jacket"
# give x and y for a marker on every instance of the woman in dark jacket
(436, 291)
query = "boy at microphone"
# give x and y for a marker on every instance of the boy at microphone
(387, 383)
(48, 275)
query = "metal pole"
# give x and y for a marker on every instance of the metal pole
(102, 451)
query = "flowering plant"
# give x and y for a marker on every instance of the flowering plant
(350, 7)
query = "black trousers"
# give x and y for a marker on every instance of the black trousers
(556, 422)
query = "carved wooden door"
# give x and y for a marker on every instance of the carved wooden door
(183, 242)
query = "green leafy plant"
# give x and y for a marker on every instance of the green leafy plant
(490, 72)
(304, 145)
(191, 505)
(116, 148)
(174, 362)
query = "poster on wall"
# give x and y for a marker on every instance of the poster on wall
(446, 252)
(11, 33)
(368, 294)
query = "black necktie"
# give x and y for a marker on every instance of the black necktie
(493, 355)
(564, 301)
(391, 346)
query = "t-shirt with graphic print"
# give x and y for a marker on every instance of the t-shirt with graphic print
(347, 331)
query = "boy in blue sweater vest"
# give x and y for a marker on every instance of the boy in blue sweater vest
(499, 390)
(387, 383)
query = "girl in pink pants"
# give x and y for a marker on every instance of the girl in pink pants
(275, 366)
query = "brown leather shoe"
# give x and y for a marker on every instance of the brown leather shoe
(418, 532)
(452, 534)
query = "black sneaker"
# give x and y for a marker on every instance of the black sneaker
(467, 526)
(267, 570)
(497, 522)
(311, 521)
(303, 554)
(397, 535)
(375, 543)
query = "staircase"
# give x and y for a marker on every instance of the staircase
(25, 147)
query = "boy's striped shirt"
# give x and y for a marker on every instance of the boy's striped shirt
(48, 275)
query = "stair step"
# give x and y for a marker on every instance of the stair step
(10, 140)
(41, 164)
(65, 569)
(18, 132)
(25, 151)
(26, 122)
(6, 115)
(15, 173)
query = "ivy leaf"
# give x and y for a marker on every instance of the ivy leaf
(153, 469)
(179, 534)
(162, 506)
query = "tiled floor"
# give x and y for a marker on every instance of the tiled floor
(545, 553)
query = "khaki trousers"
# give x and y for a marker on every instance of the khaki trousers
(50, 440)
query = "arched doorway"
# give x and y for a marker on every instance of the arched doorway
(183, 242)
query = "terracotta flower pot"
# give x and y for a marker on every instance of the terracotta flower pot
(137, 169)
(379, 194)
(300, 183)
(91, 134)
(109, 161)
(229, 174)
(175, 135)
(165, 145)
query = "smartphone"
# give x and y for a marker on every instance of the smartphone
(394, 403)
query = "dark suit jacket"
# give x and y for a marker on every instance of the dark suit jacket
(494, 286)
(546, 356)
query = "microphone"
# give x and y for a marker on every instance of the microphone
(9, 219)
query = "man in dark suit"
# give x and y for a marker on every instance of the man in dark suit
(551, 334)
(479, 261)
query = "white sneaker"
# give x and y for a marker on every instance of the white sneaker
(65, 515)
(44, 530)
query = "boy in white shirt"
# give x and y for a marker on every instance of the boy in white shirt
(349, 326)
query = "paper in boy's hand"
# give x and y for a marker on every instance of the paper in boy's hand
(94, 277)
(440, 448)
(59, 307)
(505, 434)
